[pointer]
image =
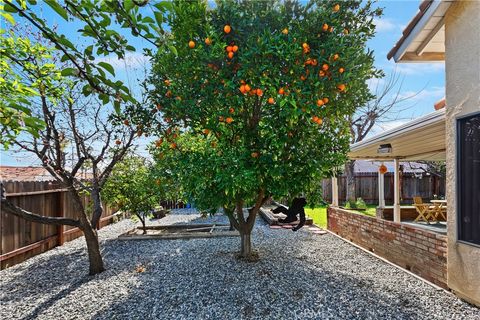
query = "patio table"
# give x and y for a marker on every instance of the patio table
(440, 208)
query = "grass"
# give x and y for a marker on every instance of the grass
(319, 214)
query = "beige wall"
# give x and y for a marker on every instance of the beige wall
(462, 61)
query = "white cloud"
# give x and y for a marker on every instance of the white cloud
(374, 84)
(428, 93)
(420, 68)
(132, 61)
(385, 25)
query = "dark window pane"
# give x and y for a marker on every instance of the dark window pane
(469, 179)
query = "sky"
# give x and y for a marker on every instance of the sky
(424, 81)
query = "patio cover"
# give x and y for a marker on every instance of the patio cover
(419, 139)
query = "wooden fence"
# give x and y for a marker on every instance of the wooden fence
(366, 187)
(22, 239)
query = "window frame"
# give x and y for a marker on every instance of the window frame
(458, 150)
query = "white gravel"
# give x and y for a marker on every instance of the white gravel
(299, 276)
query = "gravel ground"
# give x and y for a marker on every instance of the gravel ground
(300, 276)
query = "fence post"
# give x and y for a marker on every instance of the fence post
(60, 213)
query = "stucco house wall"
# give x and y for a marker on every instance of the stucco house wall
(462, 62)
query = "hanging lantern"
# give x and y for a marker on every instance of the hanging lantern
(382, 169)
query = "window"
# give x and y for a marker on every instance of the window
(468, 195)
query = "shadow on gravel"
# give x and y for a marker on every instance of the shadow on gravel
(56, 297)
(213, 284)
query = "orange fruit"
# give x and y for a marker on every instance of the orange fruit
(229, 48)
(336, 7)
(247, 88)
(227, 29)
(117, 142)
(325, 27)
(271, 100)
(341, 70)
(335, 57)
(325, 67)
(303, 78)
(242, 88)
(242, 81)
(321, 73)
(305, 45)
(281, 91)
(314, 62)
(235, 48)
(330, 29)
(319, 121)
(314, 118)
(208, 41)
(168, 94)
(259, 92)
(173, 145)
(191, 44)
(254, 154)
(230, 55)
(229, 120)
(126, 122)
(159, 107)
(206, 131)
(231, 110)
(345, 31)
(341, 87)
(325, 100)
(320, 102)
(167, 82)
(158, 143)
(285, 31)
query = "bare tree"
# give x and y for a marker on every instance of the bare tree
(98, 140)
(389, 105)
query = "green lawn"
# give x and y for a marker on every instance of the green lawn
(319, 214)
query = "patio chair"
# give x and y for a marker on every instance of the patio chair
(425, 210)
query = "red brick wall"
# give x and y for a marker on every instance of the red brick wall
(422, 252)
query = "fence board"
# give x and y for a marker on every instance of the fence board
(21, 239)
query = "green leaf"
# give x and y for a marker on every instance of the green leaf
(8, 17)
(173, 49)
(69, 72)
(107, 67)
(158, 18)
(8, 8)
(57, 8)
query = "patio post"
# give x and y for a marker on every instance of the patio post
(396, 193)
(334, 191)
(381, 190)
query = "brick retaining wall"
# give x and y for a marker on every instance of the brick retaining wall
(422, 252)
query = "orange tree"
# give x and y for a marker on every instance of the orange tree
(255, 100)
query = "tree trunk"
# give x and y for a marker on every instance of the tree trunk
(350, 179)
(97, 208)
(94, 255)
(91, 236)
(246, 245)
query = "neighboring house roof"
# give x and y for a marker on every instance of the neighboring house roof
(424, 37)
(13, 173)
(372, 166)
